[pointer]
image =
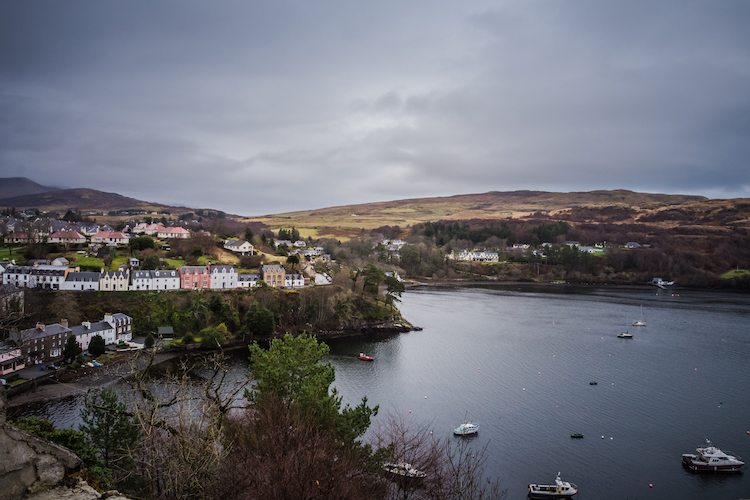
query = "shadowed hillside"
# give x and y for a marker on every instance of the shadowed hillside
(21, 186)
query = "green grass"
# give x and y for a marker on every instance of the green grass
(116, 263)
(735, 273)
(175, 262)
(88, 261)
(11, 253)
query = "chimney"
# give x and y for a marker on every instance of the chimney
(86, 324)
(40, 326)
(64, 322)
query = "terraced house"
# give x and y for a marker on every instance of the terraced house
(274, 275)
(114, 281)
(223, 277)
(195, 277)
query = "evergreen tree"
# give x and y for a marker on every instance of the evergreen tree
(291, 371)
(97, 346)
(148, 342)
(109, 428)
(71, 349)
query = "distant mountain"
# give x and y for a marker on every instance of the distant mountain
(11, 187)
(81, 199)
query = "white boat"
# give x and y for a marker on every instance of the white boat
(465, 429)
(625, 335)
(561, 489)
(640, 322)
(404, 469)
(710, 458)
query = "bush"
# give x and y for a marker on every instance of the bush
(149, 342)
(188, 338)
(97, 346)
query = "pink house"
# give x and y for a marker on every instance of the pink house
(11, 359)
(195, 277)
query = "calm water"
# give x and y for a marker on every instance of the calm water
(518, 362)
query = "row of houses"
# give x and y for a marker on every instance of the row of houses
(210, 277)
(111, 238)
(45, 343)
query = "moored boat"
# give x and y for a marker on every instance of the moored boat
(561, 489)
(625, 335)
(365, 357)
(466, 429)
(710, 458)
(577, 435)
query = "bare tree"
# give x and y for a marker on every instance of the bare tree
(454, 470)
(11, 308)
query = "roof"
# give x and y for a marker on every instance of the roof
(36, 333)
(273, 267)
(82, 276)
(99, 326)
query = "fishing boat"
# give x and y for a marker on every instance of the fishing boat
(640, 322)
(625, 335)
(577, 435)
(365, 357)
(466, 429)
(710, 458)
(404, 469)
(561, 489)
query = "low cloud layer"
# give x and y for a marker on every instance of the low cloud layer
(267, 107)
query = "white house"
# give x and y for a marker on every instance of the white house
(81, 280)
(174, 232)
(481, 256)
(247, 280)
(223, 277)
(165, 279)
(240, 247)
(109, 238)
(294, 281)
(66, 237)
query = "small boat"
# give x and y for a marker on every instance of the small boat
(625, 335)
(593, 383)
(640, 322)
(365, 357)
(404, 469)
(561, 489)
(577, 435)
(466, 429)
(710, 458)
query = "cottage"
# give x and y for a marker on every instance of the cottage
(240, 247)
(67, 237)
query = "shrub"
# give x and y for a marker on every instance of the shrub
(148, 343)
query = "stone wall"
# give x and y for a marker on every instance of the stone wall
(28, 463)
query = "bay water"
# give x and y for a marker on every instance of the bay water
(518, 360)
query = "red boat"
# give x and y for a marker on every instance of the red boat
(365, 357)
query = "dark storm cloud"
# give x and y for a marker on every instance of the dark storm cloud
(208, 104)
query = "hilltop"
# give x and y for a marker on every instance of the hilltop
(21, 186)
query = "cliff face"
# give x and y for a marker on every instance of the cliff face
(30, 464)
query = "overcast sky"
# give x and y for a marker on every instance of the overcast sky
(258, 107)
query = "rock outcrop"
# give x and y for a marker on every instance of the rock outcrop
(28, 463)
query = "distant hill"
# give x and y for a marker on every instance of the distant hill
(82, 199)
(11, 187)
(347, 220)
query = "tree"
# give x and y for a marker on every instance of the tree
(148, 342)
(394, 289)
(291, 371)
(293, 260)
(150, 262)
(213, 337)
(249, 234)
(259, 321)
(109, 428)
(97, 346)
(71, 350)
